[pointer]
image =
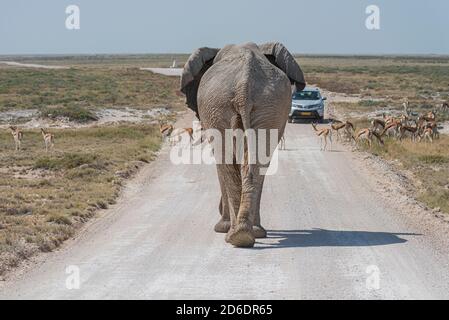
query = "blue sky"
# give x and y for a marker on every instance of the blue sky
(169, 26)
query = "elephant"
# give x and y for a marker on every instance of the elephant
(241, 87)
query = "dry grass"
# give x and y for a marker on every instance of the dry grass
(44, 197)
(429, 163)
(85, 88)
(420, 79)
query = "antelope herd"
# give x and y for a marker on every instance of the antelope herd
(418, 128)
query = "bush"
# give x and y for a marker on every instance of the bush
(433, 159)
(73, 113)
(67, 161)
(59, 219)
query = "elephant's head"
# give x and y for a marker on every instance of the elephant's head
(203, 58)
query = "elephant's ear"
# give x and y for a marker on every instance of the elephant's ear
(278, 55)
(198, 63)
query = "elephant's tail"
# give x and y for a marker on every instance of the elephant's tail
(242, 101)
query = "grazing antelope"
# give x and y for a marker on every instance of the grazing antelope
(165, 129)
(388, 119)
(349, 129)
(176, 134)
(377, 124)
(17, 135)
(323, 134)
(378, 137)
(367, 135)
(363, 134)
(49, 139)
(408, 129)
(190, 133)
(337, 126)
(426, 134)
(429, 117)
(391, 128)
(433, 125)
(445, 107)
(405, 105)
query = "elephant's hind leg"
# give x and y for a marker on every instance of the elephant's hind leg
(242, 233)
(224, 224)
(258, 230)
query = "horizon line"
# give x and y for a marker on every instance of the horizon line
(441, 55)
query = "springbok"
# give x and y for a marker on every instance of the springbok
(165, 129)
(377, 124)
(427, 135)
(445, 107)
(337, 126)
(367, 135)
(49, 139)
(392, 128)
(17, 135)
(323, 134)
(408, 129)
(176, 135)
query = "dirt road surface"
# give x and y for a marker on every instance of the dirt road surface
(330, 236)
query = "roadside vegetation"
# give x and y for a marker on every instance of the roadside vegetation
(382, 84)
(84, 88)
(420, 79)
(45, 197)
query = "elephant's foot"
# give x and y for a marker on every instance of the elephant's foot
(259, 232)
(241, 236)
(222, 226)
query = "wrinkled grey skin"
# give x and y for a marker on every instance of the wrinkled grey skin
(241, 87)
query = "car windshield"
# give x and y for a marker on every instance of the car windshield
(306, 95)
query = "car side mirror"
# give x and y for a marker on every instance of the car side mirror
(324, 98)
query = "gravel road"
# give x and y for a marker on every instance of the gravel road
(330, 236)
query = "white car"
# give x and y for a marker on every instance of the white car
(307, 104)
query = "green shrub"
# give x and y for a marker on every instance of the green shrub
(73, 113)
(67, 161)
